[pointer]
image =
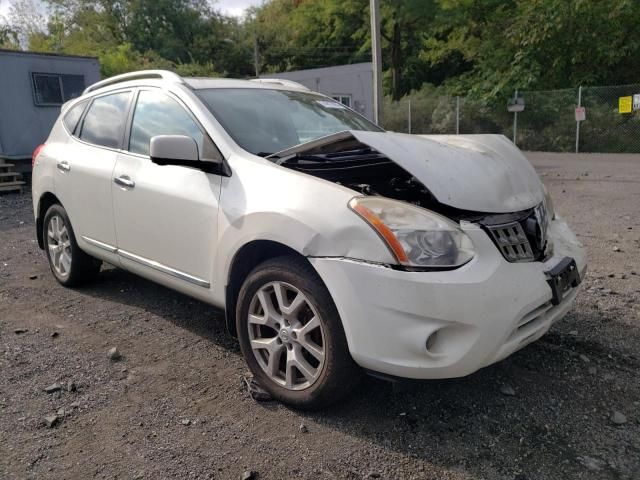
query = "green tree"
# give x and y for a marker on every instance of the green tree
(534, 44)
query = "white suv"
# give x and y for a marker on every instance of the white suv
(334, 247)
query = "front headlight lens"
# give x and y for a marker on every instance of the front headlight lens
(415, 236)
(548, 204)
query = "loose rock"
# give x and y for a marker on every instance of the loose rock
(114, 354)
(507, 390)
(591, 463)
(185, 422)
(54, 387)
(584, 358)
(18, 331)
(303, 428)
(54, 334)
(71, 386)
(618, 418)
(249, 475)
(51, 420)
(33, 277)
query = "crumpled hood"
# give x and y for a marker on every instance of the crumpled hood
(483, 173)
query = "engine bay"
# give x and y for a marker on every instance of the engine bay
(367, 171)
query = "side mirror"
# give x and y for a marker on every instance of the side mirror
(167, 149)
(182, 151)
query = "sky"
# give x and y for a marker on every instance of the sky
(235, 8)
(4, 7)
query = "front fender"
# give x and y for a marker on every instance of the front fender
(263, 201)
(309, 240)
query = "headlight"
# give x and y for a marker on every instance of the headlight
(416, 237)
(548, 203)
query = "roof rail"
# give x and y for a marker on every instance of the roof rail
(140, 75)
(281, 81)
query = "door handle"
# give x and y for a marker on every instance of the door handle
(124, 181)
(63, 166)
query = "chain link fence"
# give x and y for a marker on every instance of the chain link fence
(547, 123)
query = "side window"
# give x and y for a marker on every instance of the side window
(71, 118)
(158, 114)
(104, 122)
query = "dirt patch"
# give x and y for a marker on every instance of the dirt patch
(173, 405)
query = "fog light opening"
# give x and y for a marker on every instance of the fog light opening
(433, 344)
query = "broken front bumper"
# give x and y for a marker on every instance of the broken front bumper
(449, 323)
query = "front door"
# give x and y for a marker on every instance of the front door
(165, 216)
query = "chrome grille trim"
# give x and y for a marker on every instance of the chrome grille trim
(512, 242)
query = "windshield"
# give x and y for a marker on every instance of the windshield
(266, 121)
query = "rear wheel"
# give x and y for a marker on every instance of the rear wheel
(70, 265)
(291, 335)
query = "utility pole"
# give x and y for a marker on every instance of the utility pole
(376, 55)
(578, 121)
(515, 120)
(256, 62)
(458, 115)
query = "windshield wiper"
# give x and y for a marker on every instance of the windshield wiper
(264, 154)
(362, 154)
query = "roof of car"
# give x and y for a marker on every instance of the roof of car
(199, 83)
(195, 82)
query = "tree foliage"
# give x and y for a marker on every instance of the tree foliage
(481, 47)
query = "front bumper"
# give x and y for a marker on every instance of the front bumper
(450, 323)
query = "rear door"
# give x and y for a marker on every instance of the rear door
(84, 175)
(165, 216)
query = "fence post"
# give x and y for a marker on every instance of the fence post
(577, 122)
(409, 115)
(457, 114)
(515, 122)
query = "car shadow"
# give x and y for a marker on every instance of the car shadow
(532, 412)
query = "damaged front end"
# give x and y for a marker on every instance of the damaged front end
(482, 179)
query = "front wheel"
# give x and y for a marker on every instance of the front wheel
(70, 265)
(291, 335)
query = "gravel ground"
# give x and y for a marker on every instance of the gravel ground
(173, 405)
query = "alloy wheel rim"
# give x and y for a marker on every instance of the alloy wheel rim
(59, 245)
(286, 334)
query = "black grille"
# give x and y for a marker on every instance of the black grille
(512, 242)
(520, 237)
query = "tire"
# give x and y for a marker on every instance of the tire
(60, 244)
(335, 374)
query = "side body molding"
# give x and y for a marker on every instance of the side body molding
(148, 263)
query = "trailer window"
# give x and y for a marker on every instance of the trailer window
(53, 89)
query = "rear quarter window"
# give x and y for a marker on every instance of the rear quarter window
(71, 118)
